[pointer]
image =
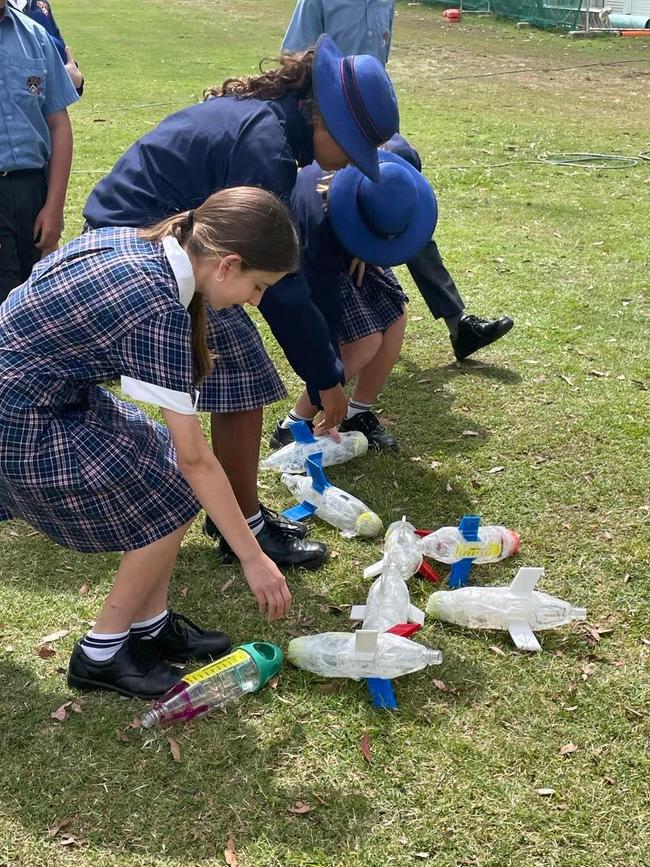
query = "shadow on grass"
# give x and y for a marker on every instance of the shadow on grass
(131, 797)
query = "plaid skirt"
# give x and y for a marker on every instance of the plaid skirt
(104, 477)
(372, 307)
(244, 376)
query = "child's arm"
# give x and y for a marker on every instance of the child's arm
(207, 479)
(49, 222)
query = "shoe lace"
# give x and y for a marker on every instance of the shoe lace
(368, 422)
(180, 623)
(472, 319)
(145, 650)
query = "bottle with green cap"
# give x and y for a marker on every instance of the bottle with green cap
(246, 669)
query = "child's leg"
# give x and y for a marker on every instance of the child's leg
(369, 383)
(236, 438)
(140, 587)
(355, 357)
(372, 375)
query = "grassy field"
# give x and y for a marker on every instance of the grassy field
(561, 405)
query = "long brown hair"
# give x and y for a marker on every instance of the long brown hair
(247, 221)
(293, 75)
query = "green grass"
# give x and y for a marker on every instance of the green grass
(454, 773)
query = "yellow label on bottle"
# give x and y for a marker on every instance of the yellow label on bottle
(477, 549)
(217, 667)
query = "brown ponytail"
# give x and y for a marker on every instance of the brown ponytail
(247, 221)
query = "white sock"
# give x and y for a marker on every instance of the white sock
(151, 627)
(355, 407)
(256, 523)
(292, 417)
(102, 646)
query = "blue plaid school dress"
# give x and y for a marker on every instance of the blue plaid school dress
(244, 376)
(89, 470)
(373, 306)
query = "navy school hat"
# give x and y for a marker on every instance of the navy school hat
(387, 222)
(357, 102)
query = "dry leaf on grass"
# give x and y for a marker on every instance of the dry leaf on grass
(45, 651)
(448, 488)
(299, 808)
(83, 590)
(54, 636)
(273, 683)
(545, 793)
(61, 713)
(228, 584)
(470, 433)
(495, 649)
(610, 781)
(183, 592)
(495, 470)
(54, 829)
(305, 621)
(68, 840)
(434, 465)
(587, 670)
(567, 749)
(174, 748)
(440, 684)
(365, 747)
(230, 854)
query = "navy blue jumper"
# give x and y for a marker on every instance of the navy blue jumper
(226, 142)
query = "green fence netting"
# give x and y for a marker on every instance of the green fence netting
(541, 13)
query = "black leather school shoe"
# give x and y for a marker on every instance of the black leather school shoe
(369, 425)
(131, 672)
(475, 333)
(181, 640)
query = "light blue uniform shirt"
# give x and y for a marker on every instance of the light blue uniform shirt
(357, 26)
(34, 83)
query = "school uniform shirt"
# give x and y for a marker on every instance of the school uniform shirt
(220, 143)
(86, 468)
(357, 26)
(34, 83)
(40, 11)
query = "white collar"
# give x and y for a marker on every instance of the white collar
(18, 4)
(180, 264)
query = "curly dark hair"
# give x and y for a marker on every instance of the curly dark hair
(293, 75)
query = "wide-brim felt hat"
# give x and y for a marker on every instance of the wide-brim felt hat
(357, 102)
(387, 222)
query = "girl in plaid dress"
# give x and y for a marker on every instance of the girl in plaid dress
(95, 473)
(256, 131)
(346, 222)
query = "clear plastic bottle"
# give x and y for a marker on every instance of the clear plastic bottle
(291, 458)
(336, 507)
(447, 545)
(501, 608)
(388, 601)
(402, 548)
(332, 654)
(245, 669)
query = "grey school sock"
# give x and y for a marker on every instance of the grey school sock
(355, 407)
(291, 418)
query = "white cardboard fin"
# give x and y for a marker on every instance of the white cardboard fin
(365, 643)
(357, 612)
(524, 637)
(415, 615)
(525, 580)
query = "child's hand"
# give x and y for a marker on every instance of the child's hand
(335, 406)
(268, 585)
(48, 228)
(360, 268)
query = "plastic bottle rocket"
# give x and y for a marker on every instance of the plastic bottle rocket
(335, 654)
(318, 497)
(292, 457)
(519, 608)
(245, 669)
(447, 545)
(388, 601)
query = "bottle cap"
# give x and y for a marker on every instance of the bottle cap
(267, 657)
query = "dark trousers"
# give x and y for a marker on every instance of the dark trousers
(435, 283)
(427, 269)
(22, 195)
